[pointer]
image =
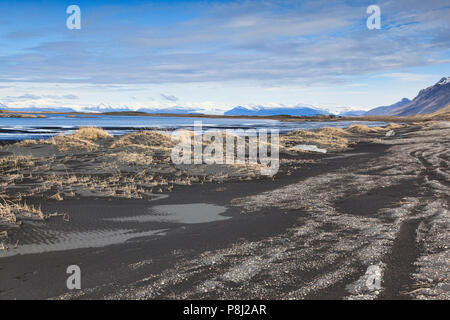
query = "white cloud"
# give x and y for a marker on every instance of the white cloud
(404, 76)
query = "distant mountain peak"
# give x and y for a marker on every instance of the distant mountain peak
(297, 110)
(444, 81)
(429, 100)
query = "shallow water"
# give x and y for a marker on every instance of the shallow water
(51, 240)
(180, 213)
(41, 128)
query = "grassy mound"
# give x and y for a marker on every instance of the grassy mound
(147, 139)
(91, 133)
(328, 138)
(361, 128)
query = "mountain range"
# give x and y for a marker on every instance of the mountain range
(299, 110)
(429, 100)
(385, 110)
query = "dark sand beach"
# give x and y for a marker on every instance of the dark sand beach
(310, 232)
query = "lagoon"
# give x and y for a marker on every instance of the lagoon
(54, 124)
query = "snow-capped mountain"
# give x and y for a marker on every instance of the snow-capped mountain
(298, 110)
(353, 113)
(102, 107)
(428, 100)
(174, 110)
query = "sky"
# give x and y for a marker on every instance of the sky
(211, 56)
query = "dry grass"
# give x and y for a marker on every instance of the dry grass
(443, 114)
(135, 164)
(144, 140)
(329, 138)
(395, 126)
(91, 133)
(443, 111)
(131, 158)
(16, 162)
(82, 139)
(333, 131)
(361, 128)
(69, 143)
(10, 210)
(27, 142)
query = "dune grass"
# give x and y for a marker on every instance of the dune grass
(82, 139)
(131, 158)
(144, 140)
(329, 138)
(91, 159)
(361, 128)
(91, 133)
(16, 162)
(9, 211)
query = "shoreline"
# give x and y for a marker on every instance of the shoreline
(287, 118)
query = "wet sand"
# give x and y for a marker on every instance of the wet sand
(309, 234)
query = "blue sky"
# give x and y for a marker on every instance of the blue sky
(214, 55)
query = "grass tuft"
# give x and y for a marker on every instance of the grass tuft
(91, 133)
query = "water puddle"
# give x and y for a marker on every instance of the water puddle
(180, 213)
(78, 240)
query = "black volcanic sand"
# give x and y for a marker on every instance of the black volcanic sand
(308, 235)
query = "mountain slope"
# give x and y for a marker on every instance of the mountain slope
(385, 110)
(443, 111)
(429, 100)
(442, 114)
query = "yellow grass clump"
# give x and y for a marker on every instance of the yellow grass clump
(395, 126)
(442, 114)
(82, 139)
(333, 131)
(330, 138)
(361, 128)
(27, 142)
(16, 162)
(91, 133)
(68, 143)
(9, 210)
(131, 158)
(145, 139)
